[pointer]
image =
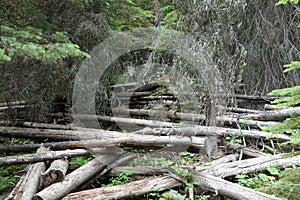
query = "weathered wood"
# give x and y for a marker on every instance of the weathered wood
(29, 184)
(136, 188)
(12, 103)
(206, 130)
(132, 189)
(56, 172)
(39, 157)
(246, 150)
(275, 115)
(226, 188)
(109, 138)
(253, 165)
(195, 118)
(256, 98)
(139, 170)
(75, 178)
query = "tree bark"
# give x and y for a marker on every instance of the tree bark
(132, 189)
(75, 178)
(253, 165)
(56, 172)
(275, 115)
(195, 118)
(39, 157)
(29, 184)
(226, 188)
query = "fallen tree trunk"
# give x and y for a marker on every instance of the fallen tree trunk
(75, 178)
(29, 184)
(256, 98)
(51, 155)
(139, 170)
(195, 118)
(137, 188)
(12, 103)
(56, 172)
(246, 150)
(210, 130)
(226, 188)
(121, 140)
(132, 189)
(102, 134)
(253, 165)
(275, 115)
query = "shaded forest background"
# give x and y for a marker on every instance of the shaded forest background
(44, 42)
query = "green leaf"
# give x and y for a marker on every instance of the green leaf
(273, 170)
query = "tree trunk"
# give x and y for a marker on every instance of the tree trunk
(275, 115)
(132, 189)
(226, 188)
(252, 165)
(29, 184)
(56, 172)
(75, 178)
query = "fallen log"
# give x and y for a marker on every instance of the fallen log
(102, 134)
(107, 138)
(253, 165)
(210, 130)
(56, 172)
(51, 155)
(137, 188)
(139, 170)
(255, 98)
(275, 115)
(132, 189)
(13, 103)
(75, 178)
(195, 118)
(246, 150)
(29, 184)
(226, 188)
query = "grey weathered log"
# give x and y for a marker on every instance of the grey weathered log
(13, 103)
(139, 170)
(195, 118)
(29, 184)
(207, 130)
(76, 178)
(132, 189)
(109, 138)
(137, 188)
(253, 165)
(275, 115)
(255, 98)
(226, 188)
(39, 157)
(101, 134)
(246, 150)
(56, 172)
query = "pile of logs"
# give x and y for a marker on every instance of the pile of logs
(50, 176)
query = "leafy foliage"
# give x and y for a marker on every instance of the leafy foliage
(284, 184)
(30, 43)
(284, 2)
(290, 126)
(6, 178)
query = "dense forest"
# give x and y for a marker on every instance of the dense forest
(185, 88)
